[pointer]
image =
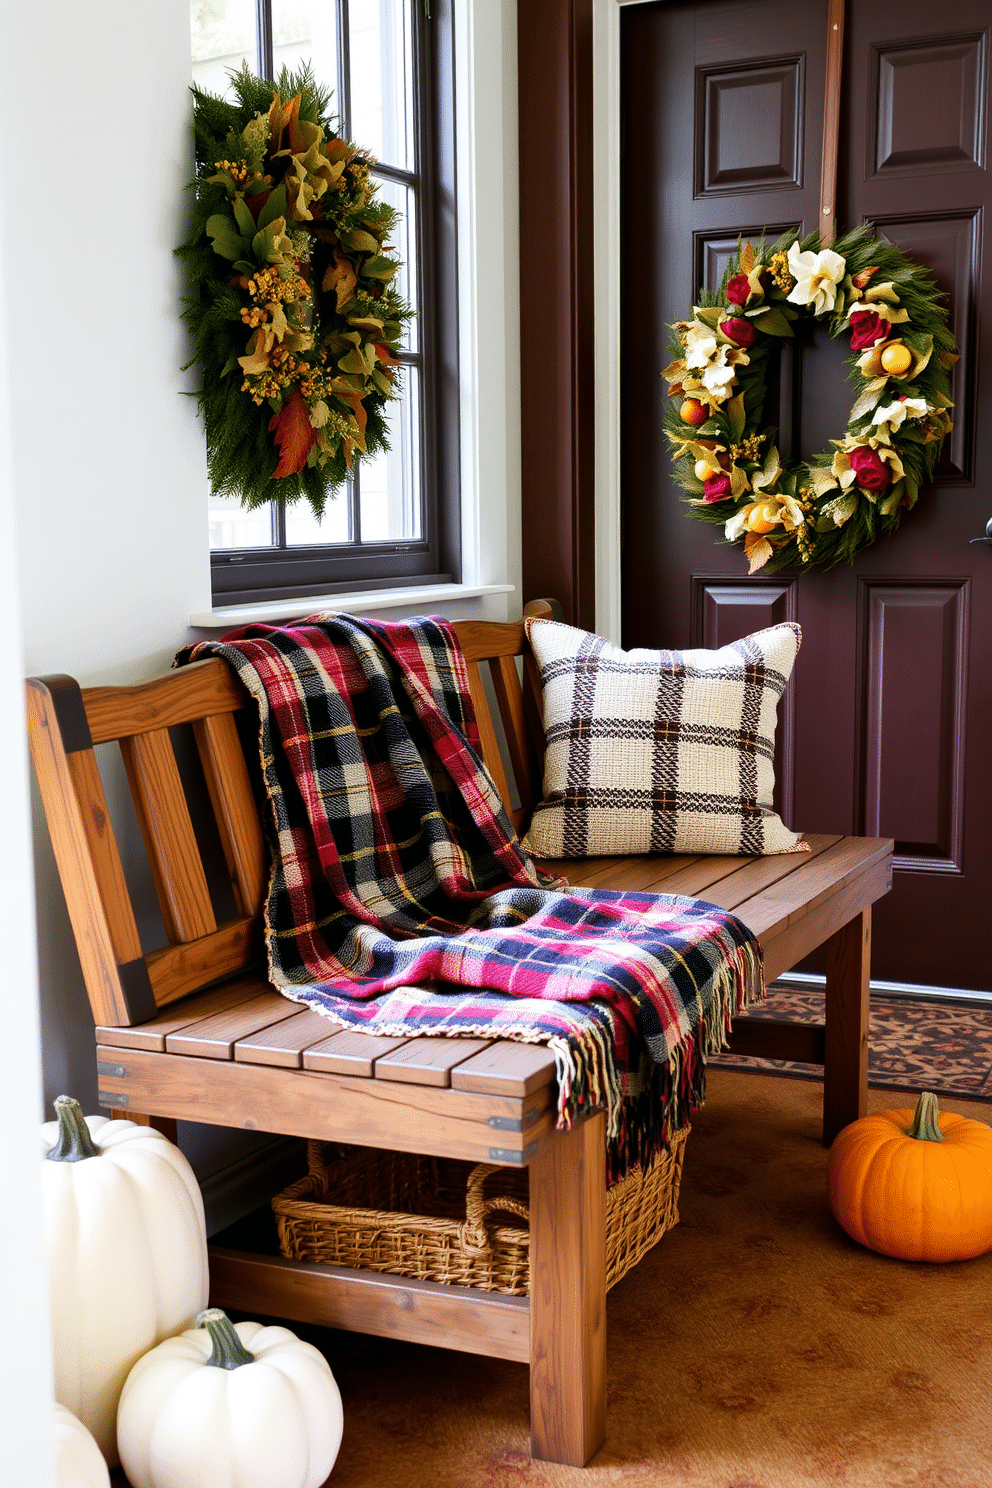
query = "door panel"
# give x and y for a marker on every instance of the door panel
(749, 126)
(914, 794)
(886, 725)
(925, 108)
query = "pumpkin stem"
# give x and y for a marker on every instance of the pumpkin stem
(926, 1120)
(74, 1141)
(228, 1351)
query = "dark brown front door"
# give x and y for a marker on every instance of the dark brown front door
(887, 728)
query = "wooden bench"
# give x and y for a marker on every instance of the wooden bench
(191, 1031)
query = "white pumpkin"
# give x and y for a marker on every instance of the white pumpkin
(78, 1461)
(234, 1406)
(127, 1255)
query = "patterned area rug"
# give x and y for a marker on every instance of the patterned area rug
(912, 1045)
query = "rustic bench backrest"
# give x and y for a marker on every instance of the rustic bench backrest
(125, 984)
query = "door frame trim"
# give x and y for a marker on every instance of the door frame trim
(606, 311)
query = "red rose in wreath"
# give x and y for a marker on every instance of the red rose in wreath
(871, 471)
(867, 329)
(741, 331)
(738, 289)
(716, 488)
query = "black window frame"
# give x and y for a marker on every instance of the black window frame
(241, 576)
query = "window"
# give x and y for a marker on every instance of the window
(389, 63)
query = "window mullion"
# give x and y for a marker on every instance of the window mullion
(344, 68)
(263, 34)
(355, 491)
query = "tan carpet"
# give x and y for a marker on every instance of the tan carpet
(755, 1347)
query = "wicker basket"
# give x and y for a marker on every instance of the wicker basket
(437, 1219)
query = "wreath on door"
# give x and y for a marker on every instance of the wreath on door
(293, 305)
(824, 510)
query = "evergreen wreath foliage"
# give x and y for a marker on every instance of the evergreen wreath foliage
(292, 304)
(821, 511)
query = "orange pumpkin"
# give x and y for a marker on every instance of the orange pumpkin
(916, 1185)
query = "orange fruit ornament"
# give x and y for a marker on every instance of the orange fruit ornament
(692, 412)
(763, 518)
(914, 1184)
(897, 358)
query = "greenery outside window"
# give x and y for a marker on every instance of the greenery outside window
(390, 64)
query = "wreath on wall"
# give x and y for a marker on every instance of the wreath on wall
(293, 308)
(822, 511)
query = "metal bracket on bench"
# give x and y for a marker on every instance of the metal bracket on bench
(115, 1071)
(515, 1123)
(507, 1158)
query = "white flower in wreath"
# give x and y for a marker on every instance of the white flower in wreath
(817, 276)
(892, 417)
(720, 373)
(700, 347)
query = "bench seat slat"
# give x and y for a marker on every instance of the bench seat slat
(640, 872)
(695, 880)
(193, 1009)
(771, 911)
(214, 1038)
(350, 1053)
(283, 1043)
(506, 1068)
(756, 875)
(427, 1061)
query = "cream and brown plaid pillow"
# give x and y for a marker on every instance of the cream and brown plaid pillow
(659, 751)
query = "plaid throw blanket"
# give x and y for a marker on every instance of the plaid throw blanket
(402, 902)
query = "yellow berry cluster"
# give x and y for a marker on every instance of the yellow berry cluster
(781, 276)
(805, 535)
(284, 369)
(317, 378)
(239, 171)
(269, 286)
(749, 448)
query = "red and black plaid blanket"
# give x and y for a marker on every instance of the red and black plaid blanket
(402, 902)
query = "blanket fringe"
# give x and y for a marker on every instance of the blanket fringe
(639, 1125)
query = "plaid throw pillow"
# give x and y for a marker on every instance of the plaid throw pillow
(659, 751)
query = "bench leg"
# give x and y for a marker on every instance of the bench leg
(845, 1064)
(568, 1296)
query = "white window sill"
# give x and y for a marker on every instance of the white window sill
(359, 599)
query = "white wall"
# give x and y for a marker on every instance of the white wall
(26, 1459)
(107, 464)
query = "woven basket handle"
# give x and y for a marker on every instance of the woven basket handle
(474, 1233)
